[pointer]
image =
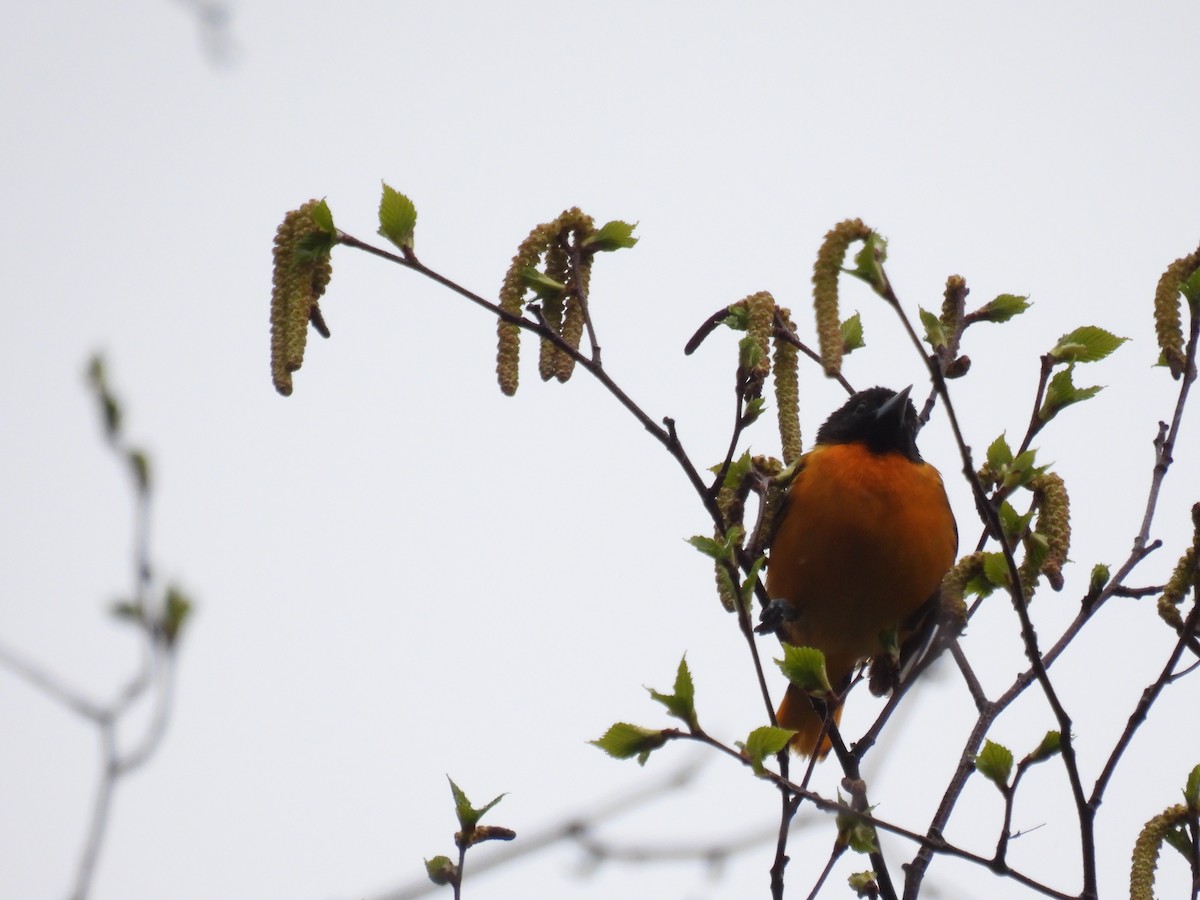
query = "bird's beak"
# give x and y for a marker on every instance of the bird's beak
(895, 408)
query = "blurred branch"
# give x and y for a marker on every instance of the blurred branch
(212, 18)
(160, 625)
(578, 829)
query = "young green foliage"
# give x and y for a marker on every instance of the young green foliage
(1191, 791)
(852, 334)
(1002, 308)
(177, 607)
(864, 884)
(935, 334)
(1050, 747)
(994, 763)
(868, 262)
(441, 870)
(397, 218)
(610, 236)
(1086, 344)
(853, 832)
(682, 703)
(625, 741)
(468, 815)
(805, 668)
(1061, 393)
(763, 742)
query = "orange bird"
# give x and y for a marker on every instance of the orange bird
(860, 547)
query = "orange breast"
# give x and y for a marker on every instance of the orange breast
(864, 541)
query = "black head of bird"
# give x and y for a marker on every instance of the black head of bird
(880, 418)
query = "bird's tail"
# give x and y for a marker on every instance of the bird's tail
(797, 713)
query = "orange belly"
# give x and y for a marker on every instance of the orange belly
(864, 541)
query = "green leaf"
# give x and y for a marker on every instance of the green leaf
(738, 318)
(999, 453)
(682, 703)
(615, 235)
(1021, 470)
(718, 549)
(1190, 289)
(863, 884)
(753, 410)
(1191, 793)
(935, 335)
(1178, 837)
(397, 218)
(708, 546)
(314, 246)
(1012, 522)
(854, 833)
(738, 469)
(1037, 547)
(541, 284)
(1002, 308)
(441, 870)
(128, 612)
(749, 353)
(111, 410)
(1061, 393)
(868, 262)
(468, 816)
(176, 611)
(140, 465)
(805, 668)
(750, 581)
(323, 218)
(625, 741)
(763, 742)
(1086, 344)
(1050, 746)
(995, 569)
(1024, 461)
(994, 763)
(852, 334)
(95, 373)
(980, 586)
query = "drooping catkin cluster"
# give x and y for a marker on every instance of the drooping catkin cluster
(1185, 577)
(300, 277)
(952, 601)
(765, 324)
(787, 390)
(1176, 589)
(1167, 324)
(954, 301)
(825, 289)
(1054, 528)
(567, 265)
(574, 226)
(556, 262)
(760, 321)
(1145, 850)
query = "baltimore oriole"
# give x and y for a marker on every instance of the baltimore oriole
(860, 547)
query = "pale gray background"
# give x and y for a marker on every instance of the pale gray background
(402, 574)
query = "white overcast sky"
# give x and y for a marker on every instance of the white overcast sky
(400, 573)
